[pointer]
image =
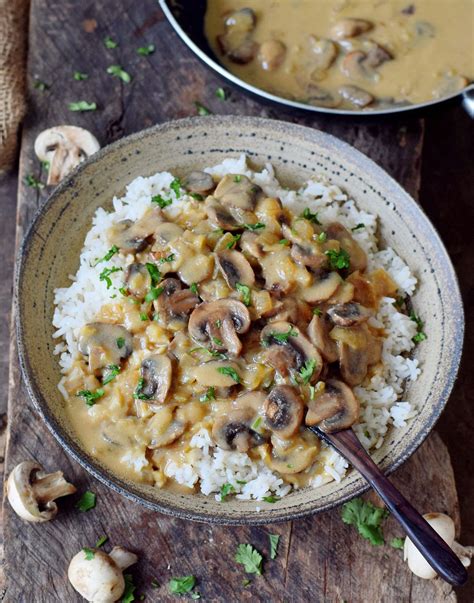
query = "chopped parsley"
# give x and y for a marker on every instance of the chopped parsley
(144, 51)
(366, 518)
(160, 201)
(218, 323)
(194, 288)
(253, 227)
(306, 371)
(196, 196)
(105, 275)
(226, 489)
(322, 237)
(256, 424)
(143, 316)
(108, 256)
(220, 93)
(154, 583)
(284, 242)
(397, 543)
(181, 586)
(79, 76)
(167, 259)
(217, 341)
(274, 539)
(209, 395)
(420, 335)
(154, 293)
(233, 242)
(399, 302)
(39, 85)
(120, 342)
(241, 482)
(45, 163)
(138, 393)
(89, 553)
(317, 312)
(358, 227)
(82, 106)
(101, 541)
(201, 109)
(250, 558)
(338, 260)
(109, 43)
(89, 396)
(154, 273)
(246, 582)
(175, 186)
(237, 178)
(112, 371)
(117, 71)
(244, 290)
(86, 502)
(309, 215)
(130, 588)
(270, 499)
(280, 338)
(228, 370)
(33, 182)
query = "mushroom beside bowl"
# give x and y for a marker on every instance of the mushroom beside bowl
(191, 144)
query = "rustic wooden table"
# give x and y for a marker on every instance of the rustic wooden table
(320, 558)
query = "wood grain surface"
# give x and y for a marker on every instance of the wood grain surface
(320, 558)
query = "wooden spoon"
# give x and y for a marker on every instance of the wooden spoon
(433, 548)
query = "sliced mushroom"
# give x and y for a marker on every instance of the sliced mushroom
(32, 492)
(167, 232)
(356, 96)
(354, 66)
(219, 322)
(64, 147)
(349, 315)
(353, 347)
(323, 288)
(350, 28)
(217, 373)
(156, 371)
(196, 268)
(271, 55)
(289, 350)
(232, 430)
(251, 247)
(174, 301)
(284, 411)
(131, 237)
(321, 97)
(376, 56)
(337, 408)
(286, 310)
(104, 344)
(253, 399)
(219, 216)
(358, 257)
(236, 42)
(324, 53)
(291, 456)
(174, 431)
(138, 280)
(318, 332)
(199, 182)
(235, 268)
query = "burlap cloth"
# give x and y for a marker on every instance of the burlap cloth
(13, 38)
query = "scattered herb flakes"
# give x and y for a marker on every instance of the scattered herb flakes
(89, 553)
(358, 227)
(33, 182)
(105, 275)
(244, 290)
(246, 582)
(420, 335)
(145, 51)
(312, 392)
(46, 164)
(218, 323)
(256, 424)
(366, 518)
(217, 341)
(399, 303)
(317, 312)
(274, 539)
(117, 71)
(284, 242)
(138, 393)
(82, 106)
(196, 196)
(143, 316)
(201, 109)
(194, 288)
(154, 583)
(225, 490)
(233, 241)
(154, 293)
(322, 237)
(309, 215)
(112, 371)
(154, 273)
(169, 258)
(237, 178)
(181, 586)
(175, 186)
(109, 43)
(120, 342)
(241, 482)
(281, 338)
(306, 371)
(161, 201)
(102, 540)
(228, 370)
(108, 256)
(130, 588)
(209, 395)
(86, 502)
(79, 76)
(338, 260)
(250, 558)
(270, 499)
(397, 543)
(221, 94)
(253, 227)
(89, 396)
(195, 595)
(41, 86)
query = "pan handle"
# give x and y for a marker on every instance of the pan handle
(468, 100)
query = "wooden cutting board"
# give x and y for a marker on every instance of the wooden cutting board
(320, 558)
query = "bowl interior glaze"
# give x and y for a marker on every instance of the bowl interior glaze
(52, 247)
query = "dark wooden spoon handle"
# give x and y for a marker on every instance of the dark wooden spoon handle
(433, 548)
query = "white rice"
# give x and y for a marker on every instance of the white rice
(382, 404)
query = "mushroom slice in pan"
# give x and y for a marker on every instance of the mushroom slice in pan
(104, 344)
(284, 411)
(156, 371)
(219, 322)
(272, 54)
(358, 257)
(218, 373)
(349, 28)
(198, 182)
(219, 216)
(349, 315)
(174, 301)
(288, 349)
(232, 430)
(337, 408)
(318, 332)
(356, 96)
(131, 237)
(235, 268)
(324, 287)
(236, 42)
(138, 280)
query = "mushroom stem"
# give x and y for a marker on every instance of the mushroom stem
(122, 557)
(51, 486)
(465, 553)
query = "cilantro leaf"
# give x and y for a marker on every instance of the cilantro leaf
(209, 395)
(245, 292)
(82, 106)
(420, 335)
(167, 259)
(253, 227)
(120, 342)
(306, 371)
(130, 588)
(181, 586)
(79, 76)
(270, 499)
(154, 293)
(274, 539)
(280, 338)
(89, 553)
(228, 370)
(194, 288)
(233, 242)
(397, 543)
(226, 489)
(338, 259)
(220, 93)
(317, 312)
(105, 275)
(144, 51)
(33, 182)
(87, 501)
(112, 371)
(175, 186)
(108, 256)
(101, 541)
(309, 215)
(117, 71)
(109, 43)
(366, 518)
(154, 273)
(201, 109)
(160, 201)
(89, 396)
(250, 558)
(138, 393)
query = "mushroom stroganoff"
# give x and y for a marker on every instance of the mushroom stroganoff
(214, 316)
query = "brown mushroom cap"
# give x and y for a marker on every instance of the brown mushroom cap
(156, 371)
(318, 332)
(291, 456)
(235, 268)
(232, 430)
(324, 287)
(236, 191)
(219, 322)
(104, 344)
(219, 216)
(337, 408)
(349, 28)
(284, 411)
(198, 182)
(236, 42)
(353, 347)
(349, 315)
(138, 280)
(174, 301)
(130, 236)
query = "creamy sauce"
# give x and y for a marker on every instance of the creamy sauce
(430, 45)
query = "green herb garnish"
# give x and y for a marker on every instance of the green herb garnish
(420, 335)
(281, 338)
(201, 109)
(366, 518)
(358, 227)
(246, 582)
(226, 489)
(250, 558)
(218, 323)
(112, 371)
(89, 553)
(274, 539)
(309, 215)
(86, 502)
(181, 586)
(397, 543)
(237, 178)
(105, 275)
(233, 242)
(109, 43)
(33, 182)
(217, 341)
(154, 293)
(160, 201)
(322, 237)
(138, 393)
(102, 540)
(317, 312)
(270, 499)
(399, 302)
(39, 85)
(108, 256)
(167, 259)
(82, 106)
(45, 163)
(209, 395)
(256, 424)
(117, 71)
(79, 76)
(175, 186)
(120, 342)
(130, 588)
(144, 51)
(306, 371)
(143, 316)
(220, 93)
(196, 196)
(241, 482)
(284, 242)
(154, 273)
(338, 260)
(89, 396)
(194, 288)
(228, 370)
(253, 227)
(244, 290)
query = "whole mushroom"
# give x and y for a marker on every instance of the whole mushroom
(64, 147)
(97, 576)
(32, 492)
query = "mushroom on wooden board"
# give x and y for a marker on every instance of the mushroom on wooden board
(97, 576)
(64, 147)
(32, 492)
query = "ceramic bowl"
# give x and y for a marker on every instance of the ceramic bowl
(51, 252)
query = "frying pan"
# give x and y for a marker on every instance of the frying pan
(187, 19)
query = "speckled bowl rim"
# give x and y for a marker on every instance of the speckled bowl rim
(115, 483)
